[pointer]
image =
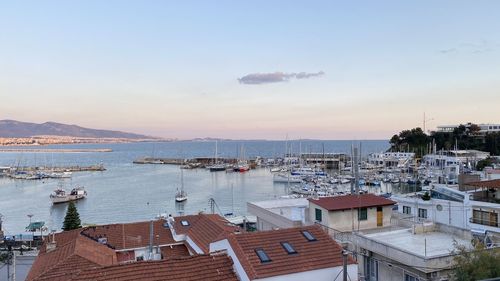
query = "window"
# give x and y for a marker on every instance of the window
(484, 218)
(288, 248)
(406, 210)
(409, 277)
(318, 214)
(308, 236)
(184, 223)
(362, 214)
(371, 269)
(422, 213)
(262, 255)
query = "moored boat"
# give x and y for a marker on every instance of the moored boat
(61, 196)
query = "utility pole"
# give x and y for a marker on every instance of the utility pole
(344, 259)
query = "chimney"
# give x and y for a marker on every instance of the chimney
(151, 239)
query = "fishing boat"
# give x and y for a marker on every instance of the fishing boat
(181, 195)
(61, 196)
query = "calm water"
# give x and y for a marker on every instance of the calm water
(128, 192)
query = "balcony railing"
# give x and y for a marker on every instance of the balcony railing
(484, 222)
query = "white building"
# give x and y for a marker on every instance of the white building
(391, 159)
(279, 213)
(351, 212)
(484, 128)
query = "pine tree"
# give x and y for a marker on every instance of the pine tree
(72, 218)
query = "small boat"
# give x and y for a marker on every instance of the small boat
(61, 196)
(181, 195)
(217, 167)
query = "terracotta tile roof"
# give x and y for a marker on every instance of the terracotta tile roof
(131, 235)
(201, 267)
(70, 258)
(204, 229)
(337, 203)
(487, 184)
(175, 251)
(311, 255)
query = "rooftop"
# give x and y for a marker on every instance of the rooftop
(101, 248)
(428, 244)
(201, 267)
(487, 184)
(337, 203)
(266, 254)
(204, 229)
(292, 209)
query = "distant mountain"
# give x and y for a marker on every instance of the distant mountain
(17, 129)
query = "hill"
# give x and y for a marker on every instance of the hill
(17, 129)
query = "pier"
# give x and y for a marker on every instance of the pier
(55, 150)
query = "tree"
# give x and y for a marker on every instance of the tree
(476, 264)
(72, 218)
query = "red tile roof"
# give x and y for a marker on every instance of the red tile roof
(131, 235)
(204, 229)
(337, 203)
(487, 184)
(311, 255)
(69, 258)
(201, 267)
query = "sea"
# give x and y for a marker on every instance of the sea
(127, 192)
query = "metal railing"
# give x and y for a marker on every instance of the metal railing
(484, 222)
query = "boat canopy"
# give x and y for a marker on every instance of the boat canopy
(34, 226)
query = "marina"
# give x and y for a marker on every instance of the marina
(131, 192)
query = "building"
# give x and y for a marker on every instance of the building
(132, 248)
(193, 247)
(279, 213)
(475, 210)
(391, 159)
(351, 212)
(484, 128)
(299, 253)
(421, 251)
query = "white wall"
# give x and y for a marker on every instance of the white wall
(238, 268)
(193, 245)
(325, 274)
(347, 220)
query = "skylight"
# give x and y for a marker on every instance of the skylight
(308, 236)
(262, 255)
(184, 223)
(288, 248)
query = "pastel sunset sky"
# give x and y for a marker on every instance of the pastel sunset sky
(251, 69)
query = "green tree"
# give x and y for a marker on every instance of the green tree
(477, 264)
(72, 218)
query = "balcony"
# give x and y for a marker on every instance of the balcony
(484, 222)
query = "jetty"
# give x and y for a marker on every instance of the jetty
(55, 150)
(200, 162)
(44, 172)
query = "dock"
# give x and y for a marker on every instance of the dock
(55, 150)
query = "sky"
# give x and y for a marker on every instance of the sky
(251, 69)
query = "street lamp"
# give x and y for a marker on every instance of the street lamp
(30, 216)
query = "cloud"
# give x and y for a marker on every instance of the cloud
(446, 51)
(480, 47)
(265, 78)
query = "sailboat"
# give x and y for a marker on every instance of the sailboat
(216, 167)
(181, 195)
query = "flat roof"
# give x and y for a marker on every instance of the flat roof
(429, 244)
(292, 208)
(280, 203)
(344, 202)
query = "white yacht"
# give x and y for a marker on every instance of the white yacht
(61, 196)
